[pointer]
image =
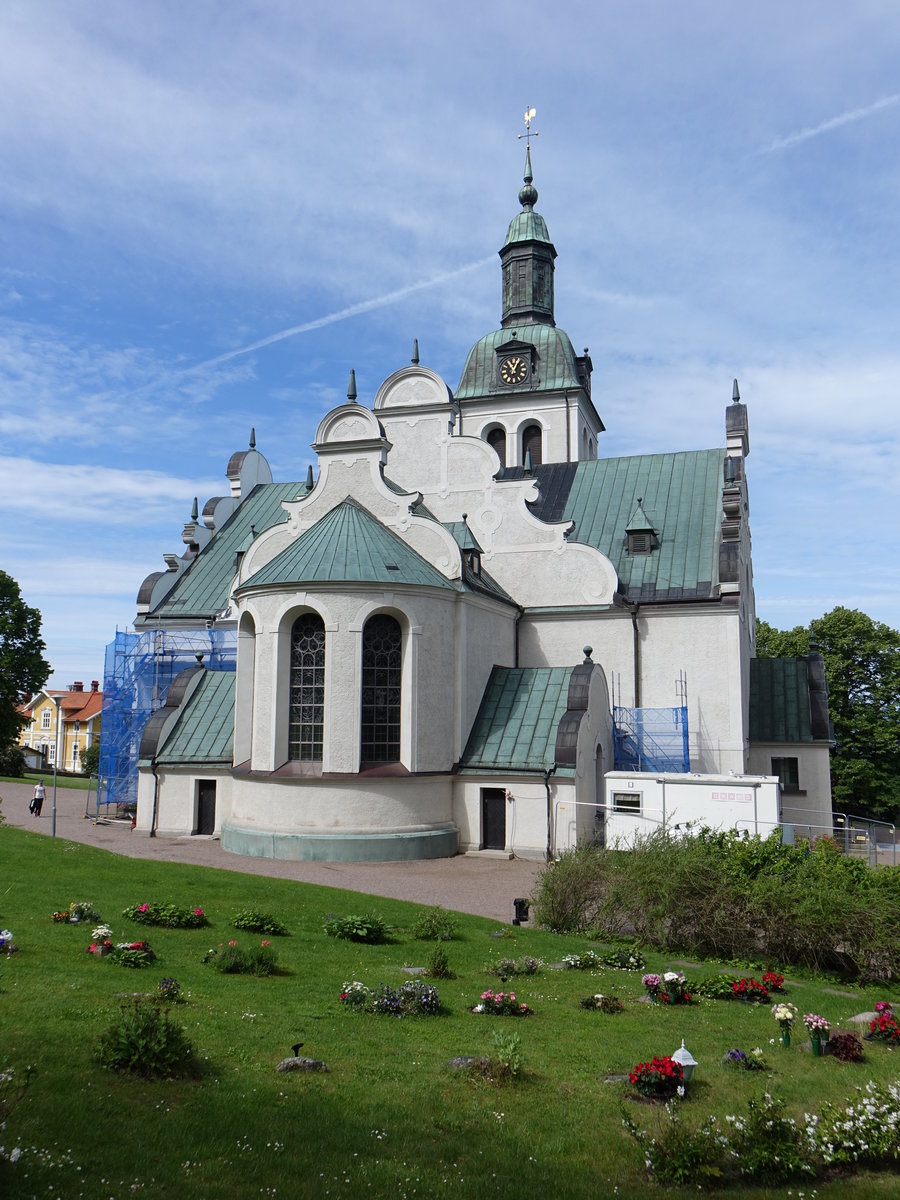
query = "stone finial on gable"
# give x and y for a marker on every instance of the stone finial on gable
(737, 430)
(246, 469)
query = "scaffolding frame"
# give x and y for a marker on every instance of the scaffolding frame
(138, 671)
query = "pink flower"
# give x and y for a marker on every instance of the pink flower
(198, 912)
(144, 908)
(232, 942)
(265, 943)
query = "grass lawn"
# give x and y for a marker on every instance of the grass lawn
(390, 1118)
(80, 783)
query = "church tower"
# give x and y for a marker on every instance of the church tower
(524, 390)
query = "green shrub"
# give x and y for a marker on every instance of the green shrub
(143, 1041)
(170, 916)
(439, 964)
(256, 922)
(435, 925)
(369, 928)
(12, 761)
(507, 1053)
(846, 1047)
(232, 959)
(131, 954)
(717, 895)
(680, 1155)
(768, 1145)
(608, 1004)
(505, 967)
(570, 890)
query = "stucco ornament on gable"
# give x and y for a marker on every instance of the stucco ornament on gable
(412, 387)
(348, 423)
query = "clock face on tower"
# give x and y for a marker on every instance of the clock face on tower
(514, 369)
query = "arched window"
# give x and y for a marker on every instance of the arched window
(307, 688)
(496, 439)
(532, 440)
(381, 670)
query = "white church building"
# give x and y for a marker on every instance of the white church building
(469, 632)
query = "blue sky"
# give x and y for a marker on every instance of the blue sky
(183, 183)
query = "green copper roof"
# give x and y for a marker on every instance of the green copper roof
(518, 719)
(462, 535)
(555, 361)
(204, 731)
(682, 501)
(348, 545)
(203, 589)
(779, 700)
(527, 226)
(682, 498)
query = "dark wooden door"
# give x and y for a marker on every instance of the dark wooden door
(206, 806)
(493, 818)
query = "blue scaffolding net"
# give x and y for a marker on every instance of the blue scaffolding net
(651, 739)
(138, 670)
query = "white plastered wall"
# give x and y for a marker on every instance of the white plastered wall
(176, 807)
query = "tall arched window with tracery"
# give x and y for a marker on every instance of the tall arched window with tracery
(382, 654)
(532, 440)
(307, 708)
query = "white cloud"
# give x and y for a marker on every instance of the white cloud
(75, 494)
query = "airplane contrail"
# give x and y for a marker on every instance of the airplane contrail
(854, 114)
(351, 311)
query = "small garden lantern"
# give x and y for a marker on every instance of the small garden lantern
(521, 909)
(686, 1061)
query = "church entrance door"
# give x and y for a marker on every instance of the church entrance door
(493, 818)
(206, 806)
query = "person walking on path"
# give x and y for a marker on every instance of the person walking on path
(37, 800)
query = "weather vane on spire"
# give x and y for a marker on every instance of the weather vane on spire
(528, 135)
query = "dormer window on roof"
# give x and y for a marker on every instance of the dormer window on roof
(640, 536)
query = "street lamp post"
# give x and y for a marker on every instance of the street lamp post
(56, 765)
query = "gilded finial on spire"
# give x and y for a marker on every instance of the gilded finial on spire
(528, 192)
(530, 114)
(351, 387)
(415, 356)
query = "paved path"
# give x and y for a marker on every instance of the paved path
(467, 883)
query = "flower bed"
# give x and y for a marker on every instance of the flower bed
(773, 981)
(232, 959)
(658, 1079)
(408, 1000)
(754, 1061)
(501, 1004)
(670, 988)
(170, 916)
(884, 1028)
(78, 911)
(132, 954)
(604, 1004)
(750, 990)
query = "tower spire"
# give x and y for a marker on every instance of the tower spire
(527, 255)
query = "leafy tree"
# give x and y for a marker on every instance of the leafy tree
(862, 666)
(90, 760)
(23, 669)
